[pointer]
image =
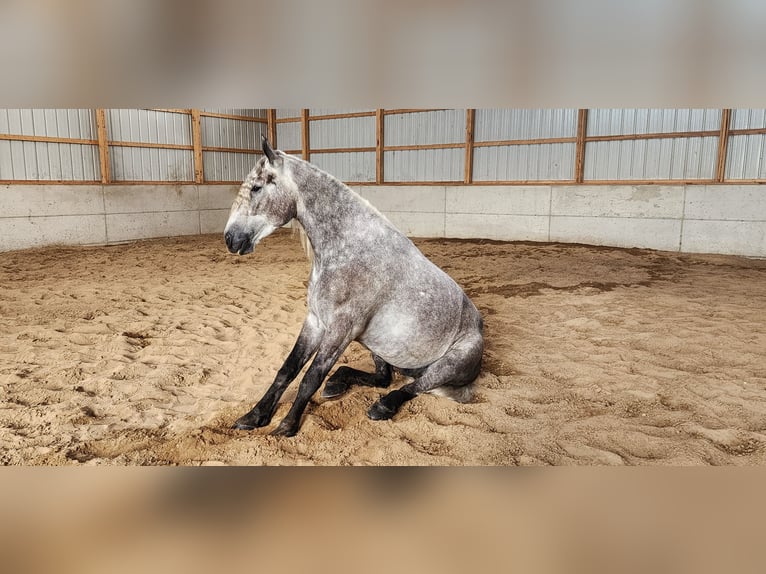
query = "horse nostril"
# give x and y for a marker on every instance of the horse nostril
(229, 238)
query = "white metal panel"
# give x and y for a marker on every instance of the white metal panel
(652, 159)
(151, 164)
(227, 166)
(347, 132)
(524, 162)
(288, 113)
(515, 124)
(603, 122)
(65, 123)
(419, 128)
(148, 126)
(424, 165)
(48, 161)
(328, 111)
(743, 119)
(746, 157)
(289, 136)
(353, 166)
(241, 134)
(251, 112)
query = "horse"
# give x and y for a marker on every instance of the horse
(368, 283)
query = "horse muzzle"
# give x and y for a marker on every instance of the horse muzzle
(239, 242)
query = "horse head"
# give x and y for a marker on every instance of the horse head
(266, 201)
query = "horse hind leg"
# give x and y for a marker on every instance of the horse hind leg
(344, 377)
(452, 375)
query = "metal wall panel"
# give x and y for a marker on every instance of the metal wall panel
(251, 112)
(746, 157)
(655, 159)
(524, 162)
(242, 134)
(74, 123)
(147, 126)
(424, 165)
(347, 132)
(48, 161)
(289, 136)
(328, 111)
(512, 124)
(226, 166)
(446, 126)
(743, 119)
(150, 164)
(607, 122)
(353, 166)
(288, 113)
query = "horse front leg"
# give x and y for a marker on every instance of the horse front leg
(307, 343)
(333, 344)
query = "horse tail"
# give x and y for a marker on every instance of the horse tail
(460, 394)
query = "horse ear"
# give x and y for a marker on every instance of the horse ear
(270, 155)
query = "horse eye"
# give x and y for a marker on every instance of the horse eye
(255, 189)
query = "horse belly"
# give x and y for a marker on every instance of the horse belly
(408, 340)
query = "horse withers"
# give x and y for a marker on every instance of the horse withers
(368, 283)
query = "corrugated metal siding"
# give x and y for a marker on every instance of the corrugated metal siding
(655, 159)
(446, 126)
(507, 124)
(354, 166)
(348, 132)
(424, 165)
(48, 161)
(289, 136)
(524, 162)
(328, 111)
(251, 113)
(148, 127)
(242, 134)
(746, 158)
(150, 164)
(743, 119)
(607, 122)
(288, 113)
(224, 166)
(74, 123)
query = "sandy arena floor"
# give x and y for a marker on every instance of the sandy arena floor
(146, 353)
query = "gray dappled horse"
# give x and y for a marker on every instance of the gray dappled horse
(368, 283)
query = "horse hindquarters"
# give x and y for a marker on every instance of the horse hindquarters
(452, 375)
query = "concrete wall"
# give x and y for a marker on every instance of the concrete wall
(728, 219)
(695, 218)
(35, 215)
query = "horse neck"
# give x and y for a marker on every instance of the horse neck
(326, 208)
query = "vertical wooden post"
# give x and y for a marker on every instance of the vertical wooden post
(305, 139)
(271, 126)
(469, 124)
(199, 176)
(582, 128)
(379, 141)
(723, 144)
(103, 145)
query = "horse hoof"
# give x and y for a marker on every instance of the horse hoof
(380, 412)
(333, 389)
(284, 430)
(242, 426)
